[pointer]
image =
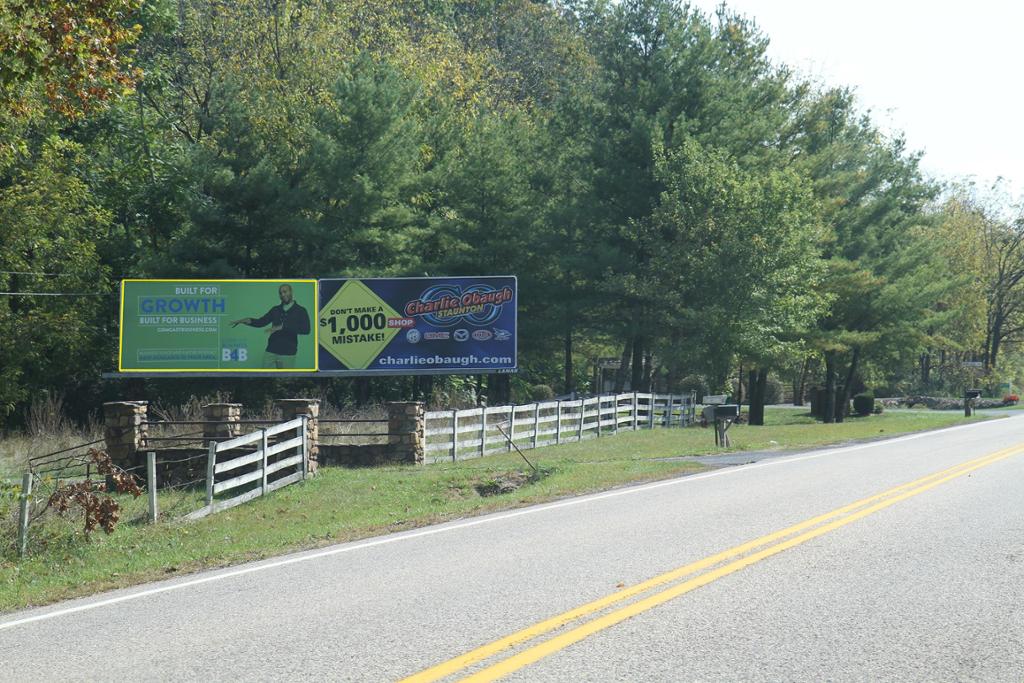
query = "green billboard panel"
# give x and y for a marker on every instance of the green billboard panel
(218, 326)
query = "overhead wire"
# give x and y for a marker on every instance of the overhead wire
(56, 294)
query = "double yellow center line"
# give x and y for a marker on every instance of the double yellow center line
(736, 558)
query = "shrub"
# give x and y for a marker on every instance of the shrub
(773, 391)
(864, 404)
(541, 392)
(877, 410)
(693, 383)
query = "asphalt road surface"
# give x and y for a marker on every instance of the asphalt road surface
(896, 560)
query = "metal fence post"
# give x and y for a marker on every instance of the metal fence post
(536, 422)
(615, 414)
(263, 447)
(26, 493)
(558, 422)
(455, 434)
(211, 462)
(305, 446)
(583, 414)
(483, 431)
(151, 486)
(511, 427)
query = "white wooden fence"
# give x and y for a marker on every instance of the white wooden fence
(459, 434)
(270, 458)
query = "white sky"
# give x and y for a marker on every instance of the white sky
(946, 74)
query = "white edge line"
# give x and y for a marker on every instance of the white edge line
(454, 526)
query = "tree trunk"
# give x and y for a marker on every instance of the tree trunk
(801, 386)
(363, 392)
(844, 406)
(648, 379)
(830, 387)
(425, 386)
(988, 347)
(570, 379)
(997, 333)
(499, 390)
(739, 386)
(620, 375)
(670, 380)
(637, 375)
(757, 387)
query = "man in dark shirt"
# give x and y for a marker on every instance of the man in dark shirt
(287, 321)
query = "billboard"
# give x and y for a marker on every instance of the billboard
(423, 325)
(218, 326)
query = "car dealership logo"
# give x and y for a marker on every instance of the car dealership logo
(502, 335)
(413, 336)
(461, 334)
(448, 305)
(482, 335)
(435, 336)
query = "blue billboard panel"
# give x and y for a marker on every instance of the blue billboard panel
(425, 325)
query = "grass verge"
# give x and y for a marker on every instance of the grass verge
(347, 504)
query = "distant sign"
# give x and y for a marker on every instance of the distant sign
(417, 325)
(973, 364)
(218, 326)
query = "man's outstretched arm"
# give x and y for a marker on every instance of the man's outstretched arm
(254, 322)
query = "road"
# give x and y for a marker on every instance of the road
(770, 571)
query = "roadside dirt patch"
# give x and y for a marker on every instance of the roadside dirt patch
(507, 482)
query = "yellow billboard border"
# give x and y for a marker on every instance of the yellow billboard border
(316, 327)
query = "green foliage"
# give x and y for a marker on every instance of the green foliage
(73, 52)
(666, 193)
(541, 392)
(732, 258)
(773, 392)
(51, 223)
(864, 404)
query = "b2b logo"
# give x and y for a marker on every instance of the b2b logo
(234, 354)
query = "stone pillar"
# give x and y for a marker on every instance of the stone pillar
(406, 426)
(125, 430)
(292, 408)
(226, 417)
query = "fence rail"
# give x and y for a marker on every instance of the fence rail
(459, 434)
(258, 466)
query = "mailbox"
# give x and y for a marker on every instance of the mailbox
(972, 394)
(727, 412)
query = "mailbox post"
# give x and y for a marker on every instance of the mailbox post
(724, 416)
(970, 396)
